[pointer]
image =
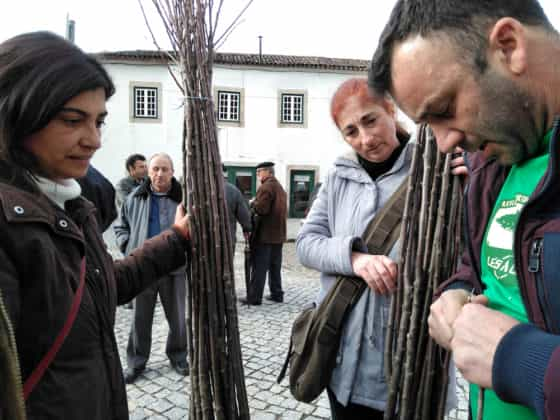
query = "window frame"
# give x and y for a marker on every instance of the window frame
(136, 86)
(292, 111)
(240, 122)
(145, 99)
(287, 123)
(229, 94)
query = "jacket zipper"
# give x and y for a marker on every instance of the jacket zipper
(535, 267)
(13, 359)
(517, 234)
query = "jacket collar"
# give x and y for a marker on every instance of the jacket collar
(347, 166)
(271, 178)
(24, 203)
(145, 190)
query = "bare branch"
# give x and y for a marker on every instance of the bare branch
(154, 40)
(217, 21)
(170, 57)
(233, 24)
(224, 38)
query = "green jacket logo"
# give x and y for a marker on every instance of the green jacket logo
(508, 221)
(503, 269)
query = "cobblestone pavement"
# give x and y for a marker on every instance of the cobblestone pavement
(160, 393)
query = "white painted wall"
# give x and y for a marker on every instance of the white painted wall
(259, 139)
(121, 137)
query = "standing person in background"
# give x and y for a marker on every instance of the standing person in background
(55, 269)
(137, 171)
(270, 206)
(483, 74)
(99, 190)
(147, 211)
(238, 211)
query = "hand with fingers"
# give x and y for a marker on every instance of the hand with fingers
(477, 332)
(443, 313)
(182, 221)
(378, 271)
(458, 166)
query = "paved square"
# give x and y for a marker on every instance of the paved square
(160, 393)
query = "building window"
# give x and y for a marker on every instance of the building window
(228, 106)
(145, 102)
(292, 108)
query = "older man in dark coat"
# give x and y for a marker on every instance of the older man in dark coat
(270, 206)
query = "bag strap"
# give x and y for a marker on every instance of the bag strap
(383, 231)
(380, 236)
(346, 293)
(39, 371)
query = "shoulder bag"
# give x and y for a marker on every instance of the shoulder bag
(316, 332)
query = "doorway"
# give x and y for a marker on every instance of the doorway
(301, 187)
(244, 178)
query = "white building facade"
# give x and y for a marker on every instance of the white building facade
(268, 108)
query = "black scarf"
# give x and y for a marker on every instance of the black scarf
(376, 169)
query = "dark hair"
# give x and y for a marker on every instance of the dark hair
(131, 160)
(464, 22)
(39, 73)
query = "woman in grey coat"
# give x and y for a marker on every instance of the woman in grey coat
(358, 186)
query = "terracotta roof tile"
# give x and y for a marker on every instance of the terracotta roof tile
(266, 60)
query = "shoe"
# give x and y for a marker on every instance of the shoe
(274, 298)
(245, 301)
(181, 367)
(131, 374)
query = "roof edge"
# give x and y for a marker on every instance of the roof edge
(239, 59)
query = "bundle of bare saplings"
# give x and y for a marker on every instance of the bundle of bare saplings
(416, 367)
(217, 379)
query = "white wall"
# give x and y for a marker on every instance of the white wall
(259, 139)
(121, 137)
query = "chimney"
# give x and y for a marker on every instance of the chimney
(70, 29)
(260, 49)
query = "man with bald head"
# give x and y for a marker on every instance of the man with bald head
(483, 75)
(148, 210)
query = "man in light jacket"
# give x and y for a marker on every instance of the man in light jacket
(148, 210)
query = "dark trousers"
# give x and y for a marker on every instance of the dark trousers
(267, 258)
(172, 292)
(351, 411)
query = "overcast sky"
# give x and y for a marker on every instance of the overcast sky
(332, 28)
